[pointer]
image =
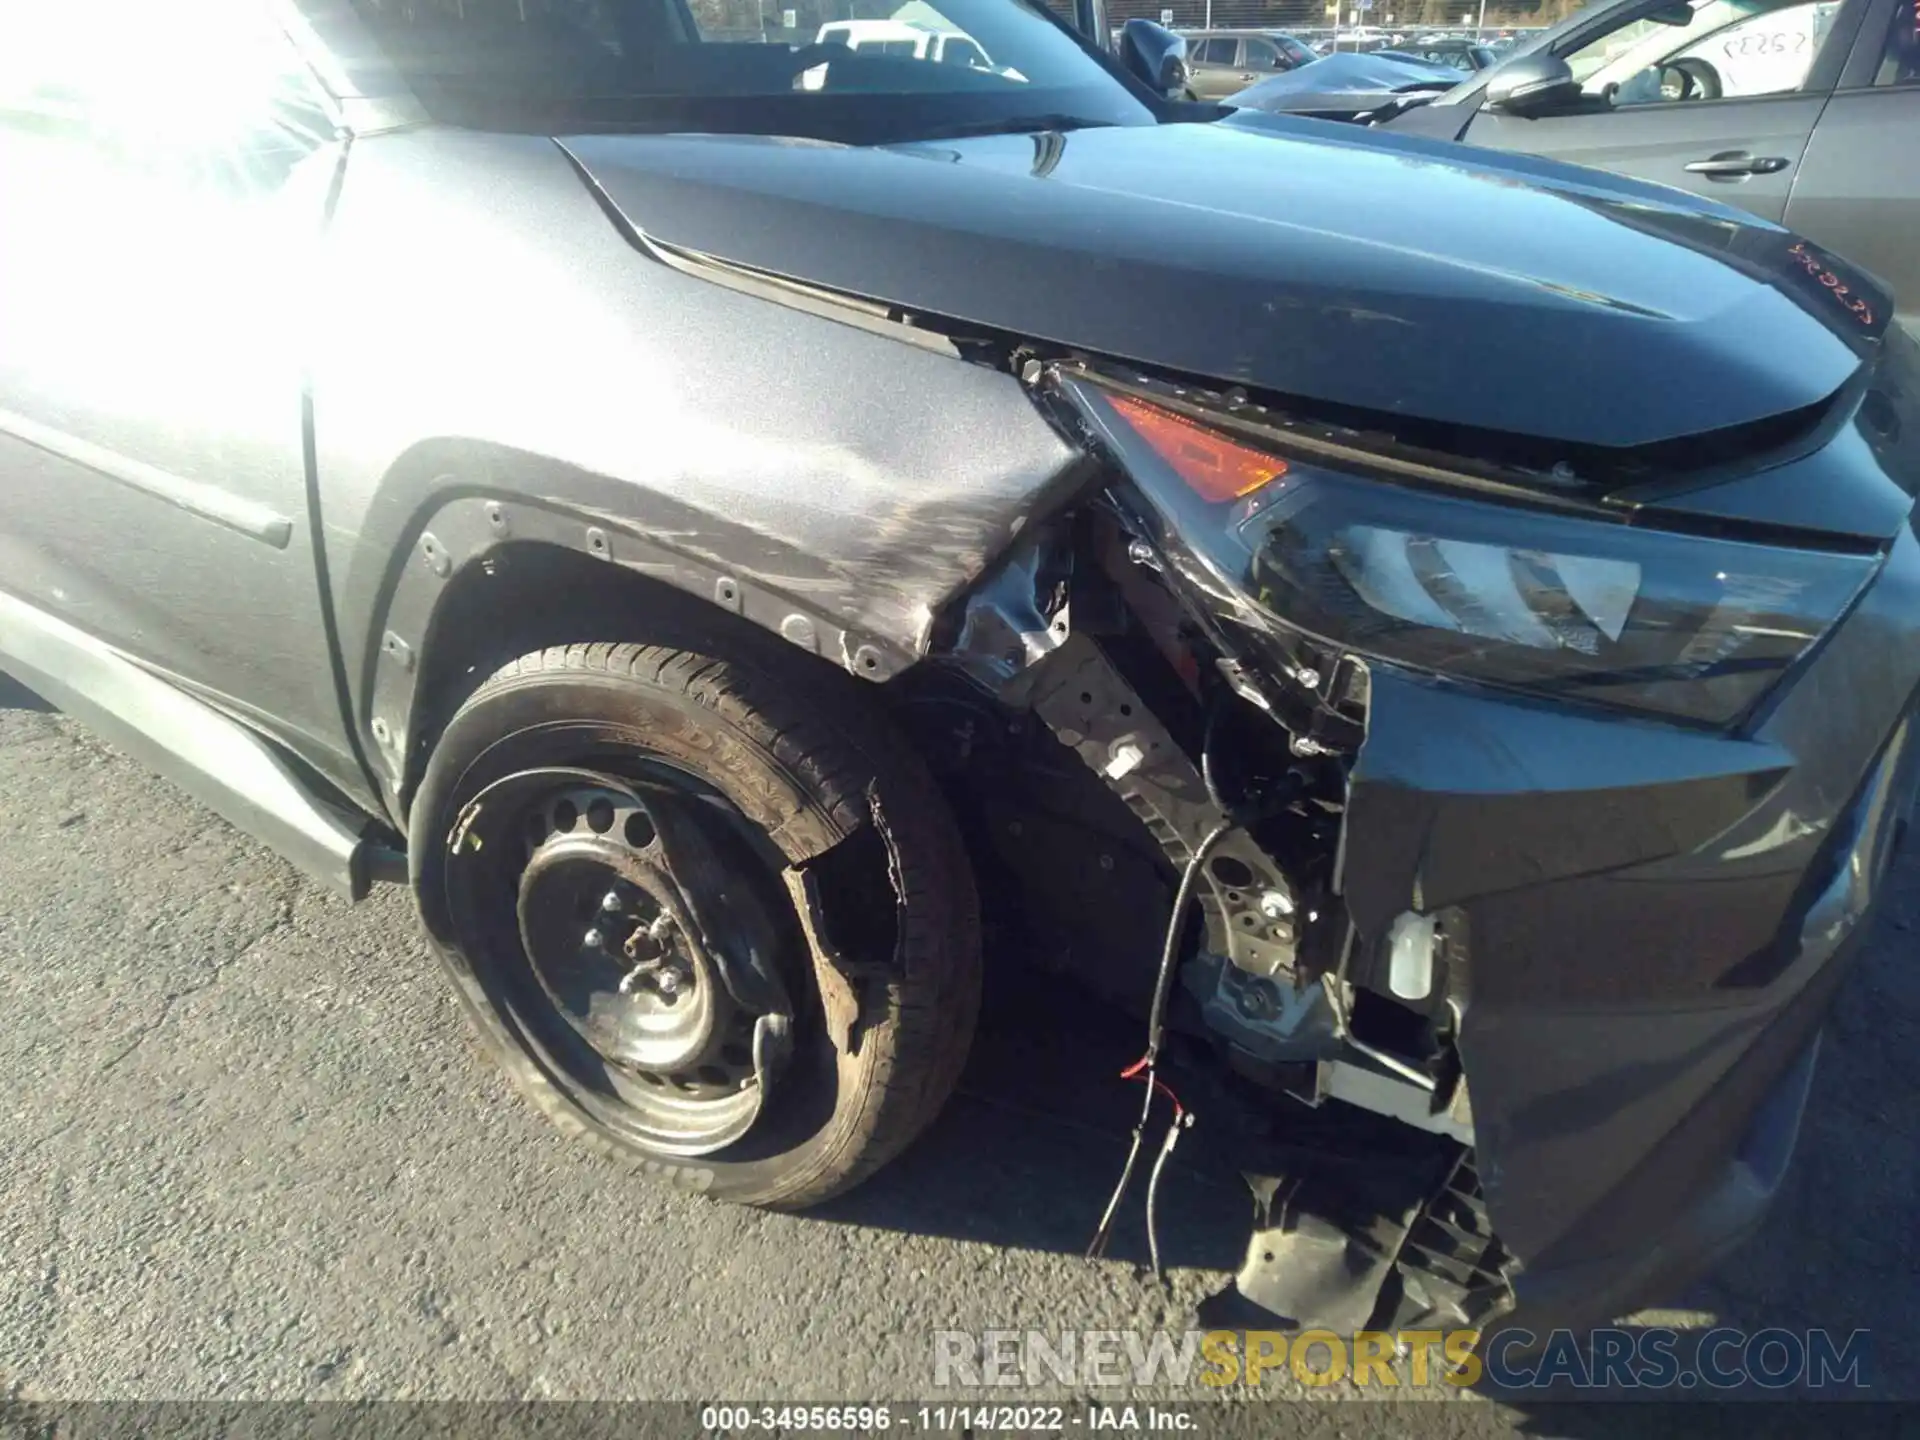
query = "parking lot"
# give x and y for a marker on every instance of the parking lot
(249, 1151)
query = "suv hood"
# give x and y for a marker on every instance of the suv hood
(1333, 264)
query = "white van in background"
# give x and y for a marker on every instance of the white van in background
(909, 42)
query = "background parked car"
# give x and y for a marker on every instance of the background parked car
(1223, 61)
(1348, 87)
(1453, 52)
(1361, 41)
(1805, 112)
(906, 41)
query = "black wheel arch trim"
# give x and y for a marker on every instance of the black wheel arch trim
(450, 505)
(466, 504)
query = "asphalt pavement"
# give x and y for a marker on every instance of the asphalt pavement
(248, 1151)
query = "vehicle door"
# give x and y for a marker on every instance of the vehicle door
(1213, 63)
(1260, 58)
(165, 170)
(1718, 97)
(1859, 188)
(962, 51)
(1294, 52)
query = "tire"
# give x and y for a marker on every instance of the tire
(804, 766)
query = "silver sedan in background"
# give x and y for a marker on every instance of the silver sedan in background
(1805, 112)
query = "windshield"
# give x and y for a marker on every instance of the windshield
(891, 72)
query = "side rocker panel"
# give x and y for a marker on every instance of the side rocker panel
(219, 761)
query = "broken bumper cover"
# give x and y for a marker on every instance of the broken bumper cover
(1652, 923)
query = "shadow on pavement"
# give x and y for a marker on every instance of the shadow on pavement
(15, 696)
(1029, 1149)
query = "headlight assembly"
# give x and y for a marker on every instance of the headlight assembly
(1554, 604)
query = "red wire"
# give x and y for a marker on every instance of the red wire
(1143, 1064)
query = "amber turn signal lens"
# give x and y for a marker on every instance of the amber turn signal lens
(1214, 467)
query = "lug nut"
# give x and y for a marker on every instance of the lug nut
(1275, 904)
(611, 903)
(594, 939)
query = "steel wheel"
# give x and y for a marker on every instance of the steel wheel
(709, 914)
(652, 931)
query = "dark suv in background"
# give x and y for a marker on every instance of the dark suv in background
(1452, 51)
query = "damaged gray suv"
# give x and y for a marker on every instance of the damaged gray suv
(1434, 632)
